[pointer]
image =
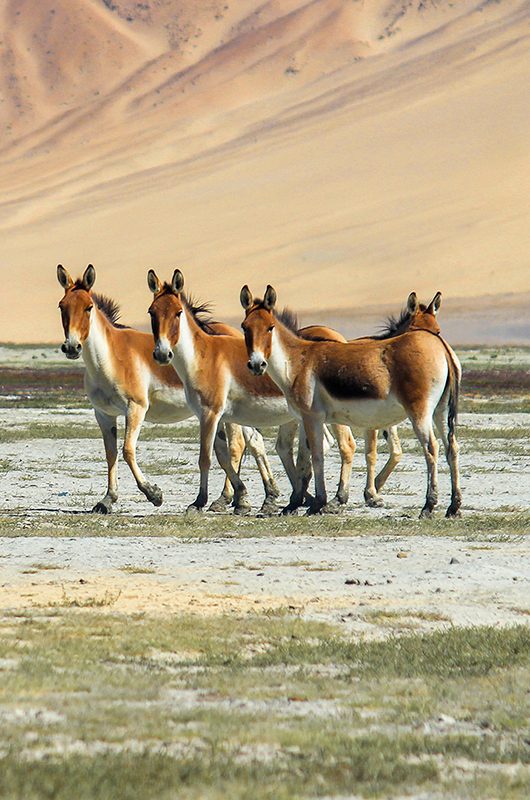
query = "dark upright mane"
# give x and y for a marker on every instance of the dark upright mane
(396, 325)
(201, 313)
(109, 308)
(393, 326)
(288, 318)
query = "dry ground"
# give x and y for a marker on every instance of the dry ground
(351, 656)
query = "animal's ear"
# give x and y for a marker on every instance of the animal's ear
(153, 282)
(412, 303)
(64, 277)
(89, 277)
(435, 304)
(177, 281)
(269, 300)
(245, 298)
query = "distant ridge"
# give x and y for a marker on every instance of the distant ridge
(347, 152)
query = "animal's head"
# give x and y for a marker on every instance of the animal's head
(76, 309)
(423, 317)
(165, 312)
(258, 327)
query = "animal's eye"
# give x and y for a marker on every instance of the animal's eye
(89, 309)
(270, 330)
(178, 313)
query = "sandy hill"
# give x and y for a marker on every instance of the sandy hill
(346, 152)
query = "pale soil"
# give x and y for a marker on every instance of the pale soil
(488, 583)
(346, 152)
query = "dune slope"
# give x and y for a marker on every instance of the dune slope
(345, 152)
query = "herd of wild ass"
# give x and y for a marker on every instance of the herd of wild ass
(308, 381)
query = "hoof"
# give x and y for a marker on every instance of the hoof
(269, 509)
(154, 494)
(243, 510)
(101, 508)
(192, 510)
(290, 509)
(317, 507)
(333, 507)
(374, 502)
(426, 513)
(220, 505)
(453, 513)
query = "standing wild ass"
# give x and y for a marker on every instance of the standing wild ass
(122, 379)
(367, 383)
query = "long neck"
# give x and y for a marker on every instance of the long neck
(96, 348)
(285, 347)
(187, 350)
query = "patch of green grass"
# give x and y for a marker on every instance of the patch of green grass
(190, 707)
(457, 652)
(489, 527)
(74, 430)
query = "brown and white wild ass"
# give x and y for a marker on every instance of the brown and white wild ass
(367, 383)
(122, 379)
(392, 327)
(219, 387)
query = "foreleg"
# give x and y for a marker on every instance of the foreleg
(133, 423)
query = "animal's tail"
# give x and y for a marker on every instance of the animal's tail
(454, 379)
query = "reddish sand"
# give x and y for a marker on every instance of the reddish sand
(347, 152)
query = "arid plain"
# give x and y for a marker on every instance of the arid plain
(348, 153)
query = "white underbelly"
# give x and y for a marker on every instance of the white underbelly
(365, 414)
(104, 397)
(168, 404)
(257, 411)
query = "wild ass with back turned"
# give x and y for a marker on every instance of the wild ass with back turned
(219, 388)
(122, 379)
(393, 326)
(367, 383)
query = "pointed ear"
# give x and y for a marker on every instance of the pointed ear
(89, 277)
(64, 277)
(269, 301)
(177, 281)
(435, 304)
(245, 298)
(412, 303)
(153, 282)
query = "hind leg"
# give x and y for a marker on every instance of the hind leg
(285, 450)
(233, 435)
(347, 447)
(451, 454)
(110, 440)
(394, 458)
(256, 446)
(371, 497)
(424, 431)
(241, 503)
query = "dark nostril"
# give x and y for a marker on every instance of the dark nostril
(170, 355)
(63, 348)
(249, 365)
(263, 364)
(78, 347)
